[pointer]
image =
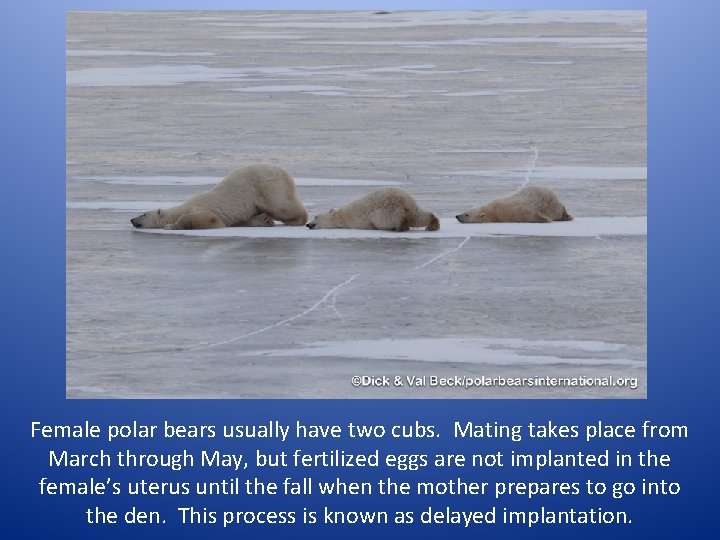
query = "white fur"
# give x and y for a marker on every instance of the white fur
(386, 209)
(533, 204)
(251, 196)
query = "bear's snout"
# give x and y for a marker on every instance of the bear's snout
(135, 223)
(310, 225)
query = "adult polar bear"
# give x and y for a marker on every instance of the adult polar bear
(252, 196)
(385, 209)
(533, 204)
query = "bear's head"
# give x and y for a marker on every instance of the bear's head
(328, 220)
(148, 220)
(476, 215)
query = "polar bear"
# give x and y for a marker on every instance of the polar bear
(533, 204)
(385, 209)
(252, 196)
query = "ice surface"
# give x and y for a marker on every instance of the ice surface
(110, 52)
(337, 90)
(160, 180)
(408, 19)
(121, 206)
(212, 180)
(457, 107)
(469, 351)
(151, 75)
(624, 43)
(562, 172)
(330, 182)
(168, 75)
(265, 35)
(449, 228)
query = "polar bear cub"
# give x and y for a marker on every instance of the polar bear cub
(252, 196)
(533, 204)
(385, 209)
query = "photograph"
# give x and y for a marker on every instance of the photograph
(356, 204)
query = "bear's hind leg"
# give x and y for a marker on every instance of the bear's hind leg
(540, 218)
(403, 225)
(261, 220)
(565, 216)
(293, 215)
(526, 215)
(197, 220)
(434, 224)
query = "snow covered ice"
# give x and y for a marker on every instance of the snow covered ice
(458, 108)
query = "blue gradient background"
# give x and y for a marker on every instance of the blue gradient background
(682, 312)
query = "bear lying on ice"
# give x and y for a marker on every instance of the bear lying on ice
(385, 209)
(252, 196)
(532, 204)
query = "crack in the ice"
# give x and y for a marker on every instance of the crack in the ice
(331, 293)
(531, 168)
(333, 305)
(448, 252)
